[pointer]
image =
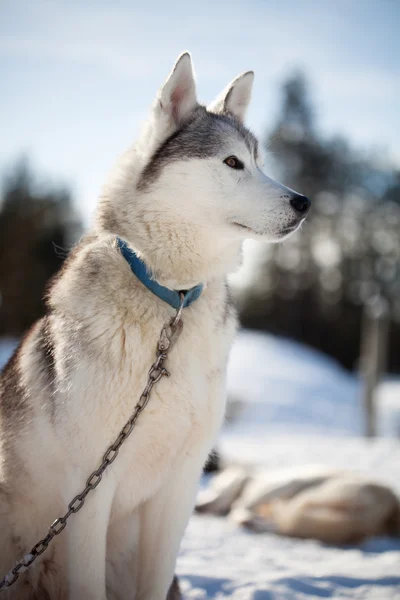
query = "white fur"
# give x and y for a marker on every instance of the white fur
(177, 98)
(235, 98)
(105, 326)
(336, 507)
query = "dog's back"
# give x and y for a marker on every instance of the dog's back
(335, 507)
(342, 510)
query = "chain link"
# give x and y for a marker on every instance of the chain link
(168, 336)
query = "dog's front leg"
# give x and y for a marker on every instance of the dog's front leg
(86, 545)
(164, 518)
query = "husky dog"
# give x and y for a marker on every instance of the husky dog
(335, 507)
(182, 200)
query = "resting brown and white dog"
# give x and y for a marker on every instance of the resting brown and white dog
(336, 507)
(182, 200)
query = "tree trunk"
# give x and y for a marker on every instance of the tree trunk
(374, 341)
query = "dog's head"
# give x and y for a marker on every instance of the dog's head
(197, 172)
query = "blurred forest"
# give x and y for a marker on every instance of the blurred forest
(37, 226)
(314, 287)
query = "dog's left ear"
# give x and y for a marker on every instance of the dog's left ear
(177, 98)
(235, 98)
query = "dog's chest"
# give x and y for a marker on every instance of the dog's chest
(185, 410)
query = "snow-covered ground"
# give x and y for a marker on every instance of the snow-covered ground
(219, 561)
(291, 406)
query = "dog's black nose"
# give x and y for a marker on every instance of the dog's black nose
(301, 204)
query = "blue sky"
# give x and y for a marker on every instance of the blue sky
(77, 77)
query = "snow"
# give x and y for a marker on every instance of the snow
(219, 561)
(289, 388)
(292, 406)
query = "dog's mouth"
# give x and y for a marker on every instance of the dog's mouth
(291, 228)
(245, 227)
(282, 233)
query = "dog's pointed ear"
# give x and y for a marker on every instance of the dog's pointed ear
(235, 98)
(177, 98)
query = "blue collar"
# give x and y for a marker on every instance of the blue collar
(138, 267)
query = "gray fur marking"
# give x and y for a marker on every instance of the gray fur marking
(11, 391)
(45, 347)
(202, 136)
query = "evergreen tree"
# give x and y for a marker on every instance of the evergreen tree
(37, 226)
(314, 286)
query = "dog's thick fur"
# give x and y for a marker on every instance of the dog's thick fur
(335, 507)
(78, 373)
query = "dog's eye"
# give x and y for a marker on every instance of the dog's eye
(234, 163)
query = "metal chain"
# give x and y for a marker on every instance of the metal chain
(168, 336)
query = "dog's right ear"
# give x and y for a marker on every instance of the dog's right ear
(177, 98)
